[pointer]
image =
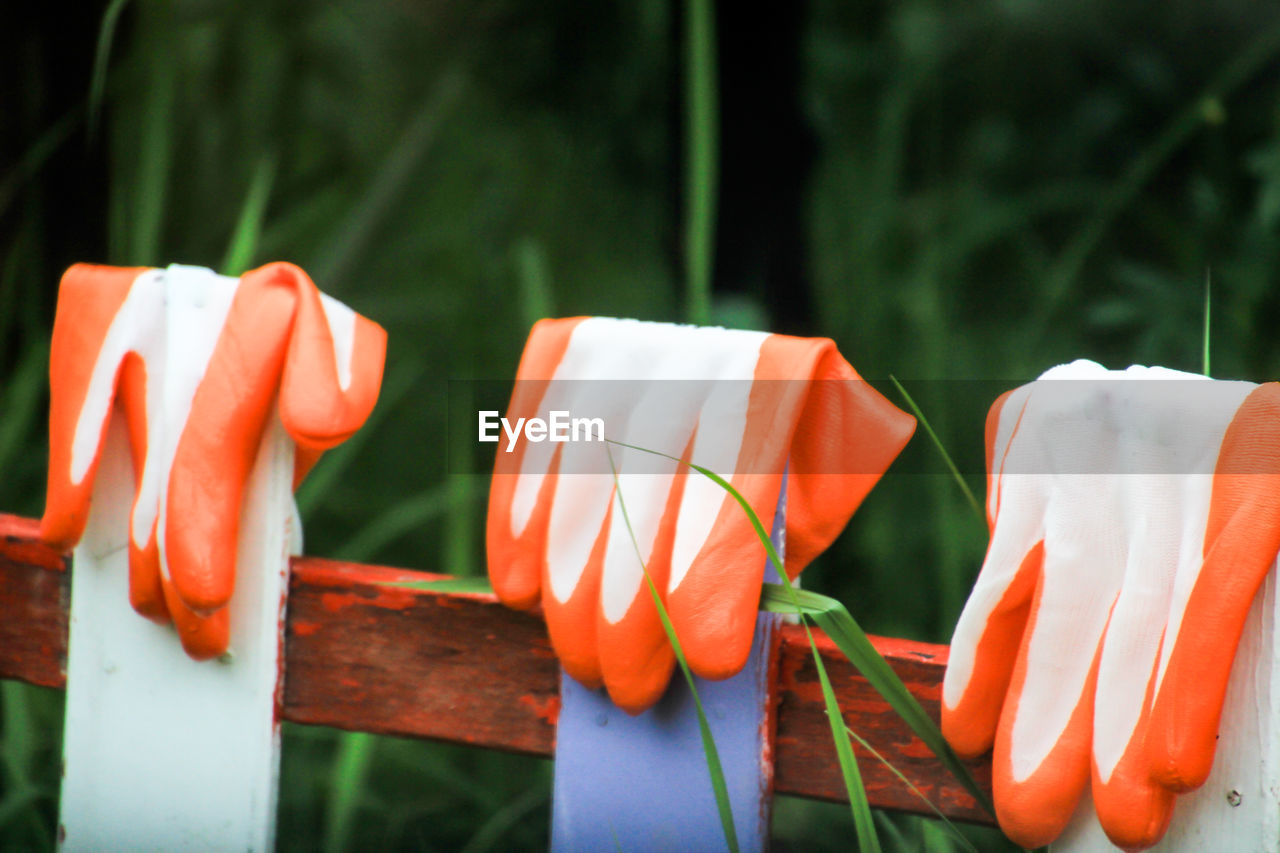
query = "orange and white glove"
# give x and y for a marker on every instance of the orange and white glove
(195, 361)
(742, 404)
(1132, 523)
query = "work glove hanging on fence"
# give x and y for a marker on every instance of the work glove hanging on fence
(1132, 522)
(196, 362)
(744, 405)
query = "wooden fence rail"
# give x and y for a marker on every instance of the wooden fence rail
(365, 655)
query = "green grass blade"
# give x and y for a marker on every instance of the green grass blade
(933, 839)
(912, 787)
(536, 298)
(154, 158)
(937, 442)
(834, 619)
(346, 788)
(863, 823)
(701, 156)
(101, 58)
(457, 552)
(888, 829)
(248, 230)
(1208, 284)
(859, 806)
(714, 767)
(471, 586)
(509, 816)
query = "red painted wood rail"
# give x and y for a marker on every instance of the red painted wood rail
(362, 654)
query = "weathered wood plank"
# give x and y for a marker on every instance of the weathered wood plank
(364, 655)
(34, 599)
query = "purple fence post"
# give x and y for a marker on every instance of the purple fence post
(627, 783)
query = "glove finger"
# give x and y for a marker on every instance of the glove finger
(333, 369)
(203, 637)
(997, 434)
(984, 650)
(577, 536)
(145, 592)
(1133, 811)
(581, 516)
(714, 591)
(1041, 760)
(743, 433)
(717, 561)
(990, 630)
(635, 656)
(90, 338)
(1034, 805)
(231, 373)
(1241, 539)
(523, 484)
(516, 539)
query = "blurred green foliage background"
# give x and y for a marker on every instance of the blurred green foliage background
(950, 190)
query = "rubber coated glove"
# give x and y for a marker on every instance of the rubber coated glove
(1132, 523)
(744, 405)
(196, 361)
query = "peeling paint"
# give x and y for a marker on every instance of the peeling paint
(388, 598)
(305, 629)
(547, 709)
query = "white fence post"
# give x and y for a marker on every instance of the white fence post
(1238, 807)
(161, 752)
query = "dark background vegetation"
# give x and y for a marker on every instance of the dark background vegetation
(950, 190)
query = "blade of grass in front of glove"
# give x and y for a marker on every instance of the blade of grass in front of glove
(714, 766)
(863, 822)
(912, 787)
